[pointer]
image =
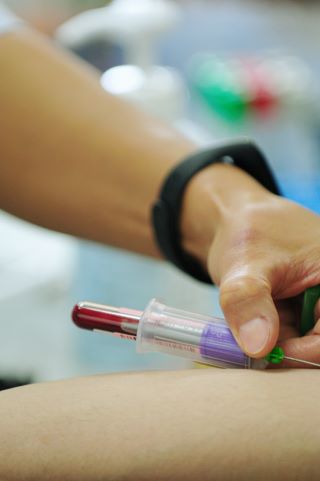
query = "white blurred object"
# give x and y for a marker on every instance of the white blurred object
(36, 270)
(8, 21)
(123, 22)
(134, 25)
(158, 90)
(32, 258)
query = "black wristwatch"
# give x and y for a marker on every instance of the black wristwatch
(166, 211)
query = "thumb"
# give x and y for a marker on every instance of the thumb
(249, 309)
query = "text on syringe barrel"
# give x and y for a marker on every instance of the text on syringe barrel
(200, 338)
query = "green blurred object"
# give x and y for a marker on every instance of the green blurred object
(276, 356)
(219, 84)
(310, 299)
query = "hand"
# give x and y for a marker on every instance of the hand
(264, 253)
(263, 257)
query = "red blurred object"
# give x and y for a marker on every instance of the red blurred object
(263, 99)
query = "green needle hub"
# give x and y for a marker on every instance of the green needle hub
(276, 356)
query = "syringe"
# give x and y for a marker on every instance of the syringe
(161, 328)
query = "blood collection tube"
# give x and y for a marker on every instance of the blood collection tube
(160, 328)
(118, 321)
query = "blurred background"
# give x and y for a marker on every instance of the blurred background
(214, 69)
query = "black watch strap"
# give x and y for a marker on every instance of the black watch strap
(166, 211)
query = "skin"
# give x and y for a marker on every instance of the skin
(91, 165)
(85, 163)
(221, 425)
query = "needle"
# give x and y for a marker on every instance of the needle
(276, 356)
(302, 360)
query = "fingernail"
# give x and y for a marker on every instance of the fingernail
(254, 335)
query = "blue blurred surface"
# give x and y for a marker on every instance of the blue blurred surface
(304, 189)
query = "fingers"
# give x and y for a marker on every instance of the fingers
(306, 348)
(248, 307)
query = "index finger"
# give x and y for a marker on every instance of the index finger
(305, 348)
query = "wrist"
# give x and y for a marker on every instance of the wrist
(197, 196)
(213, 196)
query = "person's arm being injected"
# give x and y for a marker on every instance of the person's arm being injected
(212, 424)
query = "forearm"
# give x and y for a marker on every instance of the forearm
(187, 425)
(81, 161)
(75, 158)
